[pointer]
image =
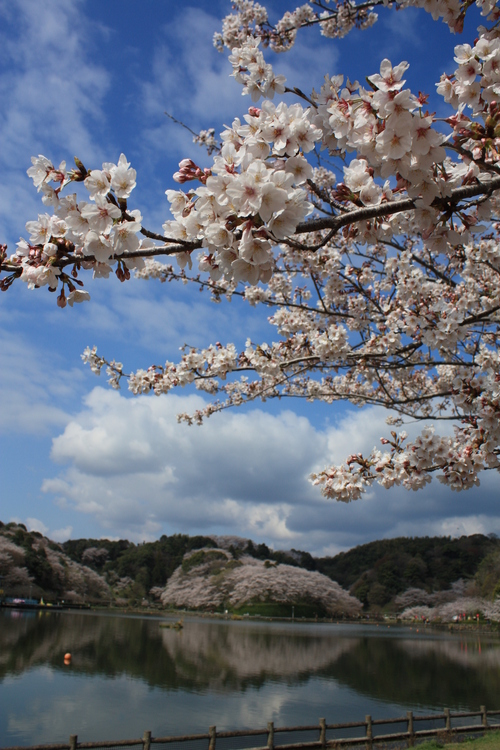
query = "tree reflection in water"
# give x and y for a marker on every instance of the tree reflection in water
(127, 671)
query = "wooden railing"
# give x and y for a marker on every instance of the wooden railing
(369, 738)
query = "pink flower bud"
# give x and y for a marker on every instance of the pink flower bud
(180, 177)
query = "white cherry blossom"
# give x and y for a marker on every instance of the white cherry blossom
(383, 288)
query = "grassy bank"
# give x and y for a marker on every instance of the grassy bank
(490, 741)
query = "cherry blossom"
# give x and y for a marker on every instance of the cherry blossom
(219, 579)
(382, 284)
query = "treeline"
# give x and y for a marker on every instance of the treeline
(375, 573)
(149, 564)
(294, 557)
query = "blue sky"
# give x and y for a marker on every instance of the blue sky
(94, 79)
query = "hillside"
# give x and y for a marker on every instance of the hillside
(377, 572)
(31, 566)
(386, 575)
(213, 579)
(143, 565)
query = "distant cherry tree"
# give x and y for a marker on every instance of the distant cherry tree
(219, 581)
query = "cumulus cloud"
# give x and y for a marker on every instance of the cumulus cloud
(131, 467)
(136, 470)
(34, 524)
(61, 535)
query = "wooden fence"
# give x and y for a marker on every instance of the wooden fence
(208, 741)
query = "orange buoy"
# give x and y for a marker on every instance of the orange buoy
(67, 658)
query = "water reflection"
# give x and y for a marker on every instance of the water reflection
(203, 655)
(434, 670)
(127, 674)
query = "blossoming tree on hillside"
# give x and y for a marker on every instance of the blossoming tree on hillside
(384, 288)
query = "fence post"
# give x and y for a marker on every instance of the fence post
(146, 740)
(73, 741)
(322, 732)
(212, 731)
(484, 716)
(270, 735)
(369, 732)
(447, 720)
(411, 733)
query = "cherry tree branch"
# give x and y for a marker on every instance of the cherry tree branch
(392, 207)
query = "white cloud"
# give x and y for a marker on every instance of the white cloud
(300, 66)
(136, 470)
(138, 474)
(205, 95)
(50, 85)
(183, 86)
(34, 524)
(456, 525)
(402, 29)
(157, 317)
(61, 535)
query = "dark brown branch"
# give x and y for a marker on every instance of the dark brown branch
(301, 94)
(334, 223)
(156, 236)
(393, 207)
(480, 317)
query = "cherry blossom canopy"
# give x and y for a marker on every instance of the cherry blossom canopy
(384, 288)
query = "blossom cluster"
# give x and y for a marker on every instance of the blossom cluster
(468, 606)
(476, 81)
(251, 20)
(414, 597)
(65, 575)
(251, 70)
(89, 234)
(252, 197)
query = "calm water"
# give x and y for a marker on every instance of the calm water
(128, 674)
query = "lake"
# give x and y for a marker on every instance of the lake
(127, 674)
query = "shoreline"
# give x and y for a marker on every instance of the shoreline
(490, 628)
(470, 627)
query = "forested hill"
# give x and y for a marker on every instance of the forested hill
(378, 571)
(147, 565)
(375, 572)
